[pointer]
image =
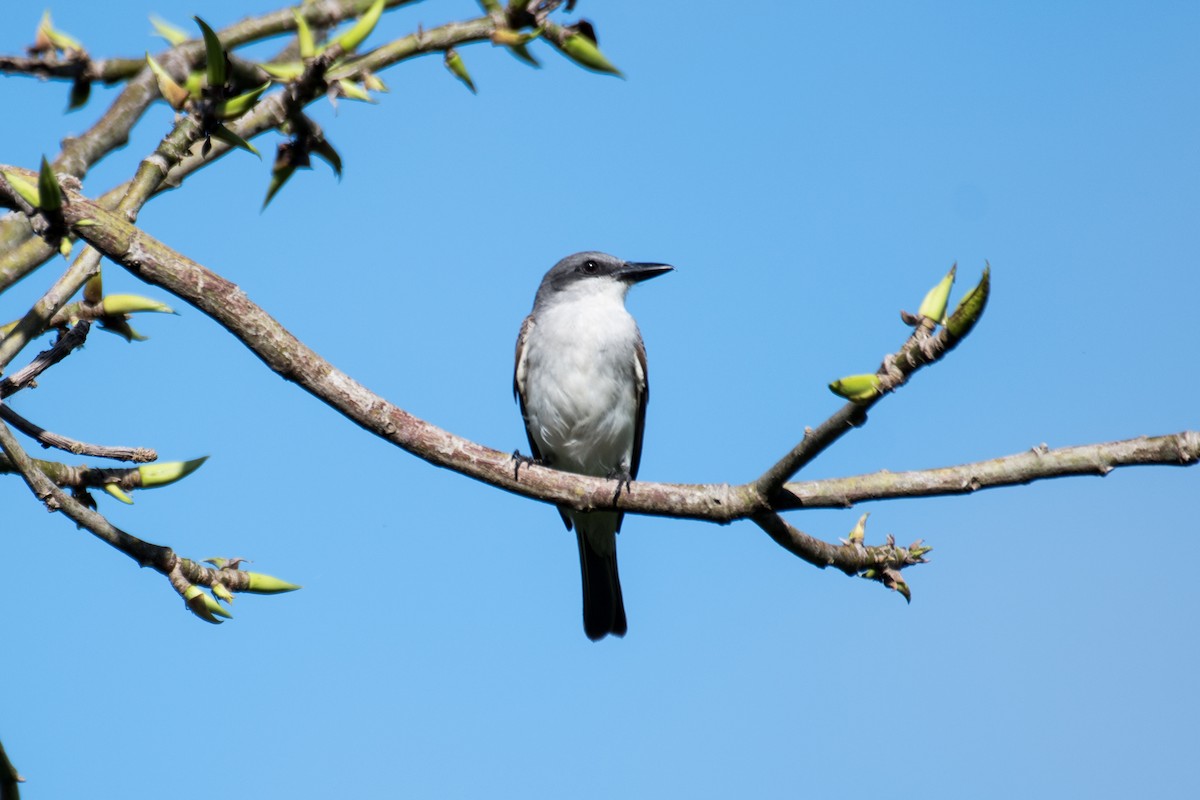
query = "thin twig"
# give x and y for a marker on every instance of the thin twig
(62, 348)
(161, 559)
(21, 256)
(921, 349)
(36, 320)
(144, 553)
(1039, 463)
(276, 109)
(112, 130)
(59, 442)
(879, 562)
(151, 172)
(104, 70)
(155, 263)
(225, 303)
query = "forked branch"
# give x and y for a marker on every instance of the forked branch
(158, 264)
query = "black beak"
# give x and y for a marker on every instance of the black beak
(635, 272)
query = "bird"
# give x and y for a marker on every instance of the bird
(581, 383)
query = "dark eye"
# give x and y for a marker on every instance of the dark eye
(590, 267)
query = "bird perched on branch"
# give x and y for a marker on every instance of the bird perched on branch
(581, 382)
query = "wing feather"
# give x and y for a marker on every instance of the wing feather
(519, 394)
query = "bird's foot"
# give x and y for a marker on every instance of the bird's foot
(623, 479)
(520, 460)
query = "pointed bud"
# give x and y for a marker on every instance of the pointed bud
(286, 71)
(154, 475)
(266, 584)
(582, 49)
(217, 562)
(510, 38)
(893, 580)
(58, 40)
(521, 52)
(858, 388)
(352, 91)
(860, 530)
(516, 43)
(93, 290)
(27, 190)
(65, 245)
(201, 604)
(48, 188)
(121, 328)
(230, 138)
(235, 107)
(933, 307)
(214, 607)
(222, 593)
(455, 64)
(351, 39)
(304, 35)
(41, 40)
(168, 31)
(373, 83)
(214, 54)
(970, 308)
(279, 176)
(195, 85)
(132, 303)
(81, 90)
(172, 92)
(116, 492)
(325, 150)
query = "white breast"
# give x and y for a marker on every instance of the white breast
(582, 380)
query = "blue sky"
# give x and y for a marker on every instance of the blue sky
(810, 170)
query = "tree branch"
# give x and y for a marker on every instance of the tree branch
(19, 255)
(112, 130)
(182, 573)
(105, 70)
(144, 553)
(151, 173)
(225, 303)
(922, 349)
(65, 345)
(881, 563)
(59, 442)
(1039, 463)
(273, 110)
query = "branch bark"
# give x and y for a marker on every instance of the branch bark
(107, 225)
(183, 574)
(1038, 463)
(112, 130)
(20, 254)
(156, 263)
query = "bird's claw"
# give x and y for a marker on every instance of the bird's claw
(520, 460)
(624, 481)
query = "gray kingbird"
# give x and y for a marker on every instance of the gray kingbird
(580, 379)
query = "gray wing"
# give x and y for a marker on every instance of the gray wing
(519, 394)
(642, 384)
(643, 397)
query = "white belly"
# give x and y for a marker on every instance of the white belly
(582, 407)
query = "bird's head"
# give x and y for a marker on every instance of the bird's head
(592, 272)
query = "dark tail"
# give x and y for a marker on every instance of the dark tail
(603, 608)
